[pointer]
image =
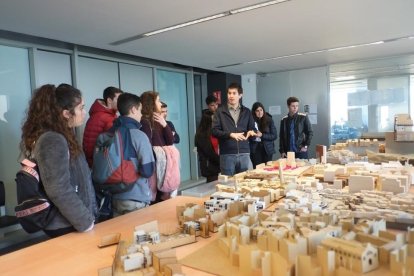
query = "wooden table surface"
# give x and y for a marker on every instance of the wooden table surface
(78, 254)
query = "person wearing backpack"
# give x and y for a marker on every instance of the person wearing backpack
(139, 196)
(101, 116)
(49, 140)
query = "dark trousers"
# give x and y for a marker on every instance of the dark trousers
(259, 156)
(301, 155)
(59, 232)
(211, 178)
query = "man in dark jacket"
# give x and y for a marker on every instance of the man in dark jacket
(233, 124)
(295, 131)
(212, 103)
(101, 115)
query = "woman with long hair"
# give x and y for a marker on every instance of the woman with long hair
(262, 147)
(48, 138)
(159, 134)
(207, 148)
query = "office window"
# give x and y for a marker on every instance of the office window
(366, 96)
(52, 68)
(135, 79)
(15, 92)
(93, 76)
(172, 87)
(366, 108)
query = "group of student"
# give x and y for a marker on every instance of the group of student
(232, 139)
(229, 139)
(48, 138)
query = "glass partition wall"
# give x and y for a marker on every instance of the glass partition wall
(24, 67)
(15, 91)
(365, 96)
(172, 87)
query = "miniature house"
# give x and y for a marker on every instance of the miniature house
(353, 255)
(358, 183)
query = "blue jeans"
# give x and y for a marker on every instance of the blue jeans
(230, 164)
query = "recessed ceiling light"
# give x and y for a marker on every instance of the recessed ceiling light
(318, 51)
(197, 21)
(257, 6)
(182, 25)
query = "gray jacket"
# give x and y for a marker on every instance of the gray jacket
(143, 158)
(67, 182)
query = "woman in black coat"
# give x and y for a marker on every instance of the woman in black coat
(207, 148)
(262, 147)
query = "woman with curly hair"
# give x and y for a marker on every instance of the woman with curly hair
(48, 138)
(159, 134)
(153, 123)
(262, 147)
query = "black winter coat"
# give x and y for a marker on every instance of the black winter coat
(269, 135)
(208, 158)
(224, 125)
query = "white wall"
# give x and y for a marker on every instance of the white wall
(249, 90)
(310, 86)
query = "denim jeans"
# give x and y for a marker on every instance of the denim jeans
(230, 164)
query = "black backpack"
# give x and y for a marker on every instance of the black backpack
(34, 210)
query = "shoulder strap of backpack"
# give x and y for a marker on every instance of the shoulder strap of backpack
(121, 143)
(30, 167)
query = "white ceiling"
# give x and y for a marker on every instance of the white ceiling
(293, 27)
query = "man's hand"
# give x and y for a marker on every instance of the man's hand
(304, 149)
(250, 133)
(259, 134)
(283, 155)
(160, 119)
(238, 136)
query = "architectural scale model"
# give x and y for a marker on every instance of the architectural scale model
(224, 200)
(135, 259)
(194, 220)
(150, 251)
(357, 147)
(332, 221)
(403, 128)
(314, 244)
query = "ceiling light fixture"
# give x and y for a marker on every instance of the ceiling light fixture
(216, 16)
(257, 6)
(182, 25)
(199, 20)
(319, 51)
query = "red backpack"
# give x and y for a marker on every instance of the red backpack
(111, 171)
